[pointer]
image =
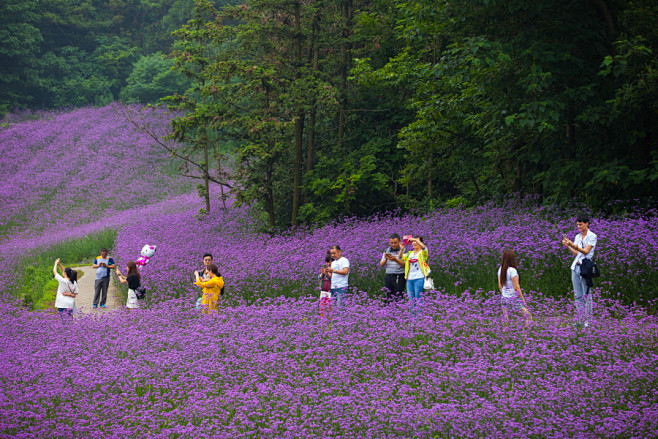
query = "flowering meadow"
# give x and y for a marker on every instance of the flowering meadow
(280, 370)
(268, 364)
(67, 169)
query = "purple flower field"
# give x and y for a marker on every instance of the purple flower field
(279, 370)
(267, 364)
(67, 169)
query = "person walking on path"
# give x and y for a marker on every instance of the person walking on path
(212, 288)
(392, 258)
(340, 271)
(415, 271)
(103, 264)
(134, 281)
(67, 290)
(582, 247)
(508, 282)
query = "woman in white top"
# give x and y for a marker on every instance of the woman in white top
(508, 282)
(67, 289)
(415, 271)
(134, 280)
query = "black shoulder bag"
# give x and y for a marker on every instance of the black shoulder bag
(588, 269)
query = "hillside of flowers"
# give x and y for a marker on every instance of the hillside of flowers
(269, 363)
(65, 169)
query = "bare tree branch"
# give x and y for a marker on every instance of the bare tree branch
(171, 149)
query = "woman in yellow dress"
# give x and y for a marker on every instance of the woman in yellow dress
(212, 288)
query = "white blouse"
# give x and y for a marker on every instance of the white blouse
(62, 301)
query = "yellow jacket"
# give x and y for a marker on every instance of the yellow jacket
(212, 289)
(422, 261)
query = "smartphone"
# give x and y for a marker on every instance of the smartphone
(406, 239)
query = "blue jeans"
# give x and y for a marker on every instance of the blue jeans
(68, 312)
(339, 294)
(415, 293)
(582, 298)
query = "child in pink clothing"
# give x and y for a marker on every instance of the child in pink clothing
(325, 287)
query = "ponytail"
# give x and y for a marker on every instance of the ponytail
(71, 274)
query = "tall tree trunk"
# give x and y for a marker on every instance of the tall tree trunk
(297, 181)
(430, 165)
(312, 115)
(206, 164)
(311, 138)
(206, 170)
(269, 195)
(477, 188)
(299, 121)
(221, 178)
(346, 52)
(603, 9)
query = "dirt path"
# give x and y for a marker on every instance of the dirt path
(85, 298)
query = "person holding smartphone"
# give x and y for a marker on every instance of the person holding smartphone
(394, 281)
(415, 271)
(103, 264)
(212, 288)
(582, 247)
(204, 274)
(134, 280)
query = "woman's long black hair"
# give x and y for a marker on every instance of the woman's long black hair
(71, 274)
(509, 260)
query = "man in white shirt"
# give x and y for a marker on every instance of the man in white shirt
(340, 270)
(581, 247)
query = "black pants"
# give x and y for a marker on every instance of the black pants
(395, 284)
(100, 286)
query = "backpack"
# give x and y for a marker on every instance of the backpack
(140, 292)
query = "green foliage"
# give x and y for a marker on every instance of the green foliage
(20, 39)
(152, 78)
(73, 78)
(357, 182)
(525, 98)
(278, 89)
(49, 49)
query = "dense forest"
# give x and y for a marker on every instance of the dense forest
(67, 53)
(350, 107)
